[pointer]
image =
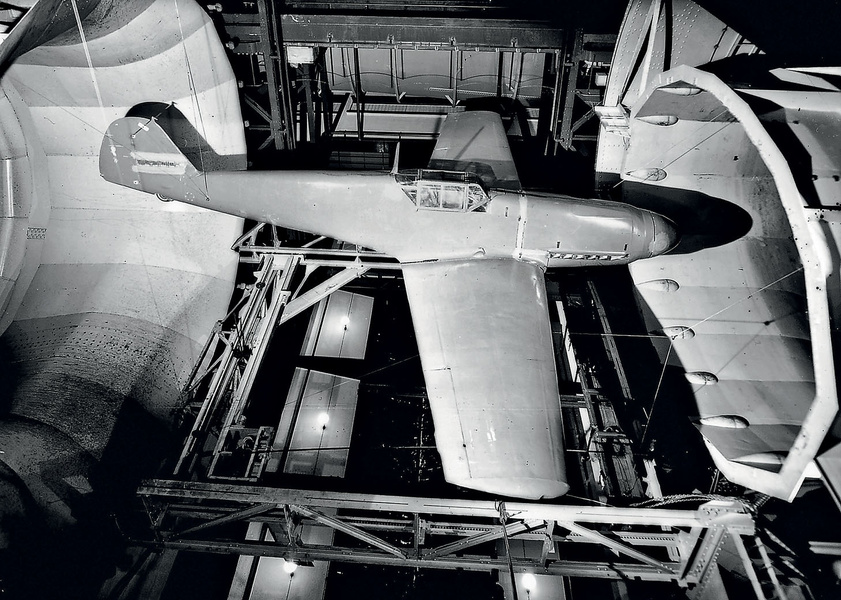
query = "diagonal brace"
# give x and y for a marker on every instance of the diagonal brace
(511, 529)
(348, 529)
(258, 109)
(229, 518)
(614, 545)
(322, 290)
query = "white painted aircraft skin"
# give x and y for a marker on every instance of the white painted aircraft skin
(372, 210)
(761, 146)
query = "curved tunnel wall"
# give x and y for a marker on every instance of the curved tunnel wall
(758, 305)
(126, 288)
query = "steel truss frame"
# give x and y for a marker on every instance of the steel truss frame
(305, 102)
(651, 544)
(567, 89)
(229, 362)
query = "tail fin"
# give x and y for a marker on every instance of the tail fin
(137, 153)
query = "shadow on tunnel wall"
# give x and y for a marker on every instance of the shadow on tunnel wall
(53, 23)
(658, 414)
(69, 561)
(43, 553)
(702, 221)
(670, 436)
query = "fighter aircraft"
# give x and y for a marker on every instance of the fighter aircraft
(473, 248)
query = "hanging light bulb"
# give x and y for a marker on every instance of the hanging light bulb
(289, 566)
(529, 582)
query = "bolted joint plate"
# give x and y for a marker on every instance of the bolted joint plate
(732, 514)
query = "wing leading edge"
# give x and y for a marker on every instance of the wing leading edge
(485, 343)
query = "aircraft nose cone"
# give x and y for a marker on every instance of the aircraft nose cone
(665, 236)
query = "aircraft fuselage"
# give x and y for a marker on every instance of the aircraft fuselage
(373, 211)
(420, 216)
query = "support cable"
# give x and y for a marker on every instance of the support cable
(663, 154)
(90, 63)
(194, 96)
(657, 392)
(748, 297)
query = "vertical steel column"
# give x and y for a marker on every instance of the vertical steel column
(563, 134)
(277, 77)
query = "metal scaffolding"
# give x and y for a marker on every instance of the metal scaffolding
(218, 513)
(308, 75)
(219, 388)
(649, 544)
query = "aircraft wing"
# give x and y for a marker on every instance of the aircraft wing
(485, 344)
(475, 142)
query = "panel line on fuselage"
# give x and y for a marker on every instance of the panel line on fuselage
(521, 223)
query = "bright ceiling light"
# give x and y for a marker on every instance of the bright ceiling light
(289, 566)
(344, 321)
(529, 582)
(322, 419)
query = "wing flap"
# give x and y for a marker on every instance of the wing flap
(486, 348)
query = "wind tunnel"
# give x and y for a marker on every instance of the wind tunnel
(756, 289)
(107, 294)
(699, 125)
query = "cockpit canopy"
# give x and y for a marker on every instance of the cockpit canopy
(454, 191)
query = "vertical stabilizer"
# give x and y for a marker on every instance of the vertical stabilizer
(137, 153)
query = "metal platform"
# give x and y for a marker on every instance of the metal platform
(650, 544)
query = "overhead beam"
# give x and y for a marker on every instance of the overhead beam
(376, 31)
(431, 32)
(737, 519)
(616, 546)
(602, 570)
(229, 518)
(691, 555)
